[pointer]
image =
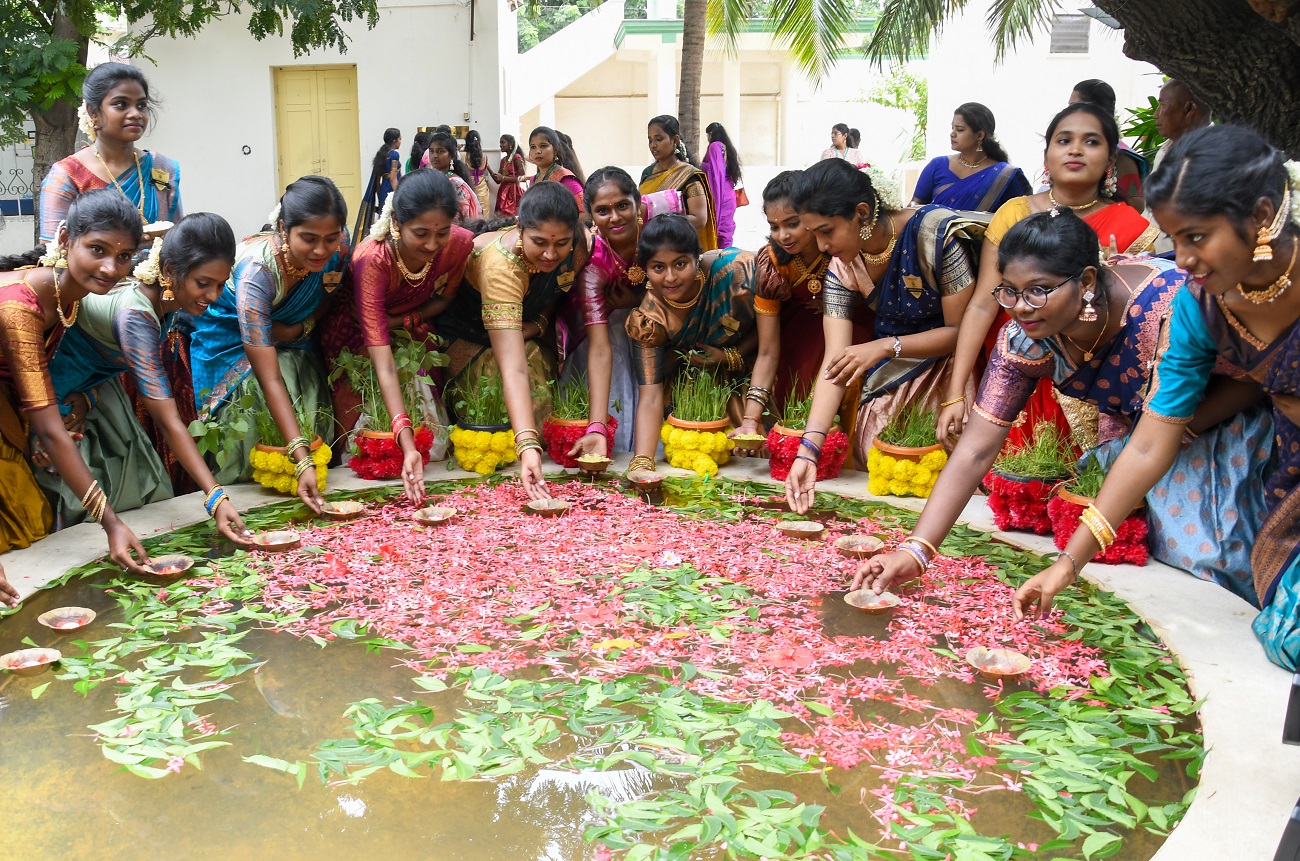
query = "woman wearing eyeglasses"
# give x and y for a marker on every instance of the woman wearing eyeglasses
(1093, 331)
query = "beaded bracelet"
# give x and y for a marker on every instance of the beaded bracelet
(1074, 563)
(214, 498)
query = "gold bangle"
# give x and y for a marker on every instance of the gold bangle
(951, 402)
(519, 433)
(641, 461)
(1101, 521)
(1099, 527)
(934, 551)
(90, 493)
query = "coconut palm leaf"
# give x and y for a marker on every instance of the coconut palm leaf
(812, 31)
(1012, 20)
(905, 28)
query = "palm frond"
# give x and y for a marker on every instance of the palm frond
(813, 31)
(1012, 20)
(727, 19)
(906, 26)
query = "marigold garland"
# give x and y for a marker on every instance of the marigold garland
(699, 451)
(1020, 503)
(380, 458)
(1130, 537)
(482, 451)
(274, 469)
(782, 449)
(559, 439)
(892, 476)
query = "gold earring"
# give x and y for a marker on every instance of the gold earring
(61, 262)
(1088, 314)
(1263, 247)
(866, 230)
(167, 294)
(1266, 235)
(393, 230)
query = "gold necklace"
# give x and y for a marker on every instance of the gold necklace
(686, 306)
(58, 305)
(139, 172)
(1088, 354)
(813, 276)
(1277, 288)
(634, 274)
(288, 271)
(882, 258)
(413, 277)
(520, 259)
(1052, 198)
(983, 159)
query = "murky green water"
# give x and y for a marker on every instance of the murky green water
(64, 801)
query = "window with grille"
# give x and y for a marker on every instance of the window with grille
(1070, 34)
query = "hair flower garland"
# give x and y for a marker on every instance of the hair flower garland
(701, 452)
(85, 123)
(887, 188)
(148, 270)
(1293, 180)
(379, 230)
(273, 217)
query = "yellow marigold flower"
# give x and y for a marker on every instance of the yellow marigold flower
(899, 488)
(935, 460)
(502, 441)
(286, 484)
(321, 475)
(922, 476)
(322, 455)
(691, 440)
(904, 470)
(877, 486)
(665, 431)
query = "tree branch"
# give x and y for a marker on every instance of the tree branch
(39, 14)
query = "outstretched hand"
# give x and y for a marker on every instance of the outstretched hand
(1039, 591)
(881, 572)
(8, 594)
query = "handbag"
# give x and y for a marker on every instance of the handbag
(742, 199)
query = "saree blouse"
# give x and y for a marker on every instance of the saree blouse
(985, 190)
(604, 286)
(25, 346)
(775, 282)
(116, 332)
(379, 289)
(722, 317)
(69, 178)
(1116, 378)
(1133, 233)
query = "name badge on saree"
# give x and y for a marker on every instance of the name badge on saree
(440, 284)
(731, 324)
(565, 280)
(914, 285)
(161, 178)
(331, 279)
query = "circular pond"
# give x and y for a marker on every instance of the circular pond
(640, 677)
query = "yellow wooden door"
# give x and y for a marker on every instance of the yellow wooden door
(316, 127)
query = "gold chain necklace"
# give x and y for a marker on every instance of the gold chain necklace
(634, 274)
(882, 258)
(413, 277)
(288, 271)
(1088, 354)
(814, 275)
(139, 171)
(520, 259)
(58, 305)
(686, 306)
(1277, 288)
(983, 159)
(1081, 206)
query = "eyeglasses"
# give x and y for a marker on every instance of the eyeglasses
(1035, 297)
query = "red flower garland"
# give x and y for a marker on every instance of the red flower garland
(1020, 503)
(1130, 537)
(559, 439)
(782, 450)
(381, 458)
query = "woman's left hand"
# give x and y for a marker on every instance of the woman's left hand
(592, 443)
(704, 356)
(8, 594)
(413, 476)
(230, 525)
(530, 475)
(852, 363)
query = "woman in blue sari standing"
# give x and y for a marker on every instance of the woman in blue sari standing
(978, 177)
(262, 325)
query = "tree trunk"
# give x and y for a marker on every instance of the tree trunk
(688, 93)
(1245, 67)
(56, 128)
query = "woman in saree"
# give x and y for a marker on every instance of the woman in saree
(555, 161)
(1130, 168)
(500, 321)
(444, 156)
(697, 304)
(123, 332)
(721, 165)
(791, 272)
(92, 251)
(404, 275)
(1228, 200)
(978, 178)
(1080, 155)
(844, 145)
(510, 178)
(258, 334)
(1100, 349)
(671, 170)
(477, 163)
(419, 145)
(914, 268)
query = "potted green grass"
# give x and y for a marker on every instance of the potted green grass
(569, 418)
(1023, 479)
(1065, 508)
(905, 457)
(695, 434)
(784, 441)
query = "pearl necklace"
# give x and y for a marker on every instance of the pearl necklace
(413, 277)
(1052, 198)
(1277, 288)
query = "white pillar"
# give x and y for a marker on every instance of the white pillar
(546, 112)
(787, 144)
(731, 96)
(665, 69)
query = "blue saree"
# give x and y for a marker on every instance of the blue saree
(984, 191)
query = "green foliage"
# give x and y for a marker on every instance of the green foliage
(906, 27)
(904, 89)
(1048, 454)
(797, 408)
(1141, 130)
(913, 427)
(1087, 479)
(412, 360)
(700, 395)
(480, 398)
(571, 400)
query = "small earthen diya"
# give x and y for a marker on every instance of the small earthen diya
(859, 546)
(347, 509)
(434, 515)
(67, 618)
(546, 507)
(277, 541)
(171, 566)
(157, 228)
(29, 662)
(805, 529)
(593, 463)
(749, 441)
(645, 480)
(870, 603)
(998, 665)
